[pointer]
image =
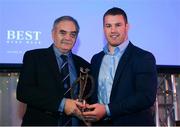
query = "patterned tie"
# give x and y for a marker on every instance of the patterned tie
(65, 75)
(66, 120)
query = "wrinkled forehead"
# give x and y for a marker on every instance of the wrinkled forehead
(68, 26)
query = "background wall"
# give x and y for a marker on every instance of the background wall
(167, 104)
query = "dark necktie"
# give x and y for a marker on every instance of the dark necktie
(65, 75)
(65, 79)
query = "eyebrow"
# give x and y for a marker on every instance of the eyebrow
(67, 31)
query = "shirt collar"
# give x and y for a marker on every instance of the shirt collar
(118, 50)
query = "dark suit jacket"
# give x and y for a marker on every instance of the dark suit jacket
(40, 86)
(134, 87)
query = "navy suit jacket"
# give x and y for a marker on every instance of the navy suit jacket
(40, 86)
(134, 87)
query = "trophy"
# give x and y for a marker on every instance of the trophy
(85, 83)
(82, 80)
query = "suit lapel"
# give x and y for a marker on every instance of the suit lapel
(122, 64)
(98, 65)
(95, 72)
(76, 64)
(53, 63)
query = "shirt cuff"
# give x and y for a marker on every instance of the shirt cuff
(107, 110)
(61, 106)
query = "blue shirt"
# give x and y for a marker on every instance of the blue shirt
(72, 70)
(107, 71)
(73, 77)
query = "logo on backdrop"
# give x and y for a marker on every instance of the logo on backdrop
(23, 37)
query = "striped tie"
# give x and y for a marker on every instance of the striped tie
(66, 120)
(65, 74)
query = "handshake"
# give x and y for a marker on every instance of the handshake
(85, 112)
